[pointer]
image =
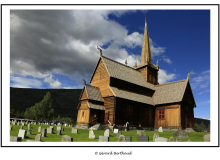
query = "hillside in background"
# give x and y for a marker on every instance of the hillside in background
(64, 103)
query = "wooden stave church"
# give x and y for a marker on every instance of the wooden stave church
(119, 94)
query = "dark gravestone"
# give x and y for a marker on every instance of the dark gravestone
(127, 138)
(127, 126)
(44, 132)
(181, 133)
(118, 134)
(143, 139)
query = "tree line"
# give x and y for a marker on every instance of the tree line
(41, 111)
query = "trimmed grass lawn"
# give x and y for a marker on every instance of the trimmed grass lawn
(83, 134)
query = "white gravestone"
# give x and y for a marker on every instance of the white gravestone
(160, 129)
(115, 130)
(91, 134)
(22, 133)
(106, 133)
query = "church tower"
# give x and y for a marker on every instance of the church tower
(146, 67)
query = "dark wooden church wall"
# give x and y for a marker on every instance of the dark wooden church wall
(137, 116)
(152, 75)
(187, 115)
(130, 87)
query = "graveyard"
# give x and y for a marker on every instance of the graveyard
(83, 135)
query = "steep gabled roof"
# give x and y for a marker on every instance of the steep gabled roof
(169, 92)
(96, 106)
(126, 73)
(131, 96)
(93, 93)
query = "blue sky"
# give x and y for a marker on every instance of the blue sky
(57, 49)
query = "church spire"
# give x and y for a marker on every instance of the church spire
(146, 53)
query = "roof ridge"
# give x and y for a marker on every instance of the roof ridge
(91, 86)
(171, 82)
(120, 63)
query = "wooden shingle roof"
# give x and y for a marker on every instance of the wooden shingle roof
(169, 92)
(93, 93)
(126, 73)
(96, 106)
(131, 96)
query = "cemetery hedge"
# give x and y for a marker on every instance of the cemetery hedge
(83, 134)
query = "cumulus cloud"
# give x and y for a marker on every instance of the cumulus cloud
(201, 81)
(164, 76)
(46, 42)
(53, 83)
(24, 82)
(167, 60)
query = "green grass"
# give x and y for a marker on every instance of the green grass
(83, 134)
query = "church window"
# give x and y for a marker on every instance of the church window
(129, 110)
(82, 114)
(161, 114)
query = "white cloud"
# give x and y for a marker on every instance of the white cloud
(167, 60)
(53, 83)
(133, 40)
(201, 81)
(164, 77)
(23, 82)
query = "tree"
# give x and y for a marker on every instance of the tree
(42, 110)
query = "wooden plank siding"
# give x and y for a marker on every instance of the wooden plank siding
(109, 104)
(83, 108)
(172, 116)
(101, 79)
(137, 118)
(187, 115)
(84, 95)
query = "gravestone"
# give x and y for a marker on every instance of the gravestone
(181, 133)
(58, 132)
(103, 139)
(22, 123)
(15, 139)
(189, 140)
(160, 129)
(118, 134)
(179, 140)
(206, 138)
(51, 126)
(39, 129)
(74, 130)
(44, 132)
(22, 133)
(161, 139)
(128, 138)
(11, 127)
(13, 123)
(143, 133)
(91, 134)
(143, 139)
(21, 127)
(139, 131)
(155, 136)
(171, 139)
(29, 130)
(66, 138)
(107, 133)
(38, 137)
(18, 123)
(127, 126)
(116, 130)
(121, 138)
(59, 128)
(50, 130)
